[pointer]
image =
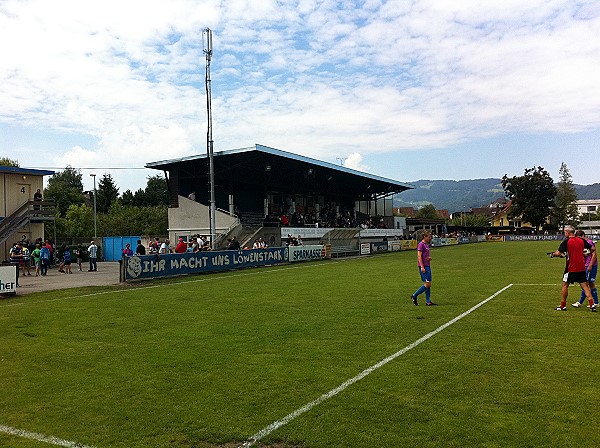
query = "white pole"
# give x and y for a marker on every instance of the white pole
(95, 227)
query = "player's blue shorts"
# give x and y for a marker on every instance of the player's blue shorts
(425, 276)
(591, 275)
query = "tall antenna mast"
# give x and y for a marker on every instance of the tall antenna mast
(209, 139)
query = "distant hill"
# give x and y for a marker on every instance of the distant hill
(457, 195)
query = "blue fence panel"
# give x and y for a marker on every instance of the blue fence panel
(112, 246)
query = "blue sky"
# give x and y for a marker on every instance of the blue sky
(401, 89)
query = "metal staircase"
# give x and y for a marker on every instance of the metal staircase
(29, 212)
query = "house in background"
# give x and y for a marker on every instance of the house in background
(21, 218)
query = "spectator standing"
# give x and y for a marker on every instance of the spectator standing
(16, 257)
(164, 247)
(93, 252)
(79, 254)
(26, 262)
(44, 259)
(140, 249)
(192, 196)
(36, 258)
(181, 247)
(127, 252)
(67, 259)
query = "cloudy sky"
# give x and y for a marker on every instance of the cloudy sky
(407, 90)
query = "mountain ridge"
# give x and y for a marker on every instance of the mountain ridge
(462, 195)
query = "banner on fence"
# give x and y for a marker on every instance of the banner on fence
(379, 247)
(151, 266)
(305, 253)
(533, 238)
(8, 280)
(365, 248)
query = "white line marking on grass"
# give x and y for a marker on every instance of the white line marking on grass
(41, 437)
(537, 284)
(307, 407)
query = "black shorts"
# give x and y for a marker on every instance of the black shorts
(575, 277)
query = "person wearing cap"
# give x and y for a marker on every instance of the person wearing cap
(181, 247)
(93, 252)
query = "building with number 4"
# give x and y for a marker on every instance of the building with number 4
(21, 217)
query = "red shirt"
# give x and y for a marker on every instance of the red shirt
(574, 248)
(181, 247)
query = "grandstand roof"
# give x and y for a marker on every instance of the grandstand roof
(263, 165)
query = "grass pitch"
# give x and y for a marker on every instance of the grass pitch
(208, 361)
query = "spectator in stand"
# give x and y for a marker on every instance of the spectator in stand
(192, 196)
(140, 249)
(190, 247)
(93, 251)
(299, 240)
(262, 243)
(181, 247)
(127, 252)
(44, 259)
(285, 222)
(256, 244)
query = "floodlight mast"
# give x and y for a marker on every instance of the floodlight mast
(209, 139)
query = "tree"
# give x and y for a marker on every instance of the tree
(156, 193)
(106, 194)
(80, 221)
(565, 206)
(427, 212)
(65, 188)
(532, 195)
(5, 161)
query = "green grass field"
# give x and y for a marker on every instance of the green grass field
(209, 361)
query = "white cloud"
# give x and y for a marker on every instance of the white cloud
(322, 78)
(355, 161)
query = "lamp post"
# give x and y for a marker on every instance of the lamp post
(95, 228)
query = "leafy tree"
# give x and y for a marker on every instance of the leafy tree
(156, 193)
(80, 221)
(65, 188)
(122, 220)
(532, 195)
(427, 212)
(470, 220)
(5, 161)
(565, 206)
(107, 193)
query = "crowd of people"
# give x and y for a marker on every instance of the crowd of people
(327, 217)
(41, 255)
